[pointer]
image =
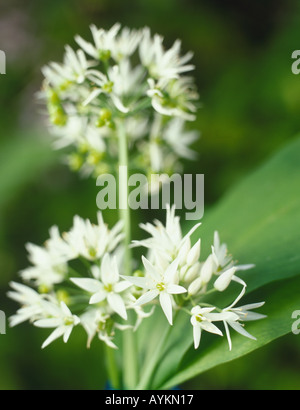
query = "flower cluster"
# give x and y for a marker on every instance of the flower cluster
(77, 279)
(122, 78)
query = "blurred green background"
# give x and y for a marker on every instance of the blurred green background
(250, 108)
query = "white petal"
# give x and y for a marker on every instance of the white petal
(166, 304)
(90, 285)
(190, 232)
(171, 271)
(251, 306)
(228, 335)
(53, 336)
(227, 316)
(137, 281)
(197, 336)
(211, 328)
(147, 297)
(109, 270)
(121, 286)
(207, 269)
(92, 96)
(117, 304)
(224, 279)
(245, 267)
(239, 328)
(118, 103)
(51, 322)
(195, 286)
(98, 297)
(65, 309)
(67, 333)
(175, 289)
(151, 270)
(249, 316)
(194, 253)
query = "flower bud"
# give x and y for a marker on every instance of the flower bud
(224, 279)
(195, 286)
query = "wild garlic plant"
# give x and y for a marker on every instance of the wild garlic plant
(123, 99)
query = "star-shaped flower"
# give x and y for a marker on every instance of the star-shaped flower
(201, 320)
(106, 285)
(60, 318)
(158, 283)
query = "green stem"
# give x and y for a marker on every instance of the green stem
(112, 368)
(130, 365)
(146, 378)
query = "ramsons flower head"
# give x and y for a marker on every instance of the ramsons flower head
(121, 77)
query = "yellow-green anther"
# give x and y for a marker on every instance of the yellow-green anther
(43, 288)
(108, 87)
(160, 286)
(104, 55)
(68, 321)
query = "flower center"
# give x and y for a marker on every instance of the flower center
(199, 318)
(108, 87)
(68, 321)
(108, 288)
(92, 252)
(160, 286)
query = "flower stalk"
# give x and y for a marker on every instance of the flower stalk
(130, 365)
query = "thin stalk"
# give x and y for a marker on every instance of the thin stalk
(147, 375)
(112, 368)
(130, 365)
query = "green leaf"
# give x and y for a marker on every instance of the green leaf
(259, 221)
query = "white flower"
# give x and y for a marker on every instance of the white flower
(173, 98)
(30, 300)
(224, 279)
(126, 80)
(71, 133)
(221, 257)
(126, 43)
(202, 320)
(90, 240)
(97, 321)
(245, 314)
(61, 318)
(161, 63)
(106, 86)
(166, 240)
(93, 321)
(220, 252)
(158, 283)
(233, 316)
(74, 68)
(207, 269)
(179, 139)
(106, 285)
(111, 43)
(49, 261)
(189, 260)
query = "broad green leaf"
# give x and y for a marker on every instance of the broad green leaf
(260, 219)
(260, 222)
